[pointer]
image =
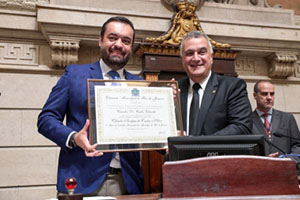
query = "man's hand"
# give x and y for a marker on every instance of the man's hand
(175, 91)
(274, 155)
(82, 141)
(179, 133)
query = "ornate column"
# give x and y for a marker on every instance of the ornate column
(21, 4)
(282, 64)
(64, 51)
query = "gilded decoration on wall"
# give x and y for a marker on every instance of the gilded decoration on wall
(184, 20)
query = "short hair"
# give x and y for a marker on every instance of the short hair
(195, 34)
(117, 19)
(255, 88)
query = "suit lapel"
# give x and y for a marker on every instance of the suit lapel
(208, 97)
(95, 71)
(183, 100)
(258, 124)
(275, 121)
(128, 76)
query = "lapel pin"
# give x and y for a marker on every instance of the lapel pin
(214, 91)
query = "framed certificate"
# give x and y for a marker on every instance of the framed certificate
(132, 115)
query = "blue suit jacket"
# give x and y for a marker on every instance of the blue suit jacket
(225, 107)
(69, 98)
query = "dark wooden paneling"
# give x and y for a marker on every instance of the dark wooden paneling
(230, 176)
(152, 168)
(171, 66)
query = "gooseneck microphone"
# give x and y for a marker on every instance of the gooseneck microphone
(273, 145)
(281, 135)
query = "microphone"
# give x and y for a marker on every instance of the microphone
(281, 135)
(270, 143)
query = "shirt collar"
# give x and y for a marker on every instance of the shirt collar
(203, 83)
(105, 69)
(260, 113)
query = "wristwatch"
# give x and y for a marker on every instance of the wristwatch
(72, 142)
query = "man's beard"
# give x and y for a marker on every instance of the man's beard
(117, 62)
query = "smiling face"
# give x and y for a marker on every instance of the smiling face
(116, 44)
(264, 96)
(196, 58)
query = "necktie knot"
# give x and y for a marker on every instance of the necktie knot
(114, 75)
(196, 87)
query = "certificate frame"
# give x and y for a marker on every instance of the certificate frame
(133, 115)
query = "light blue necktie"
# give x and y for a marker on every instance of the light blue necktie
(115, 76)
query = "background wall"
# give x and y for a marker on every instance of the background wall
(29, 28)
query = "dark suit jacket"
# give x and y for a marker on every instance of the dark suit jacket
(69, 98)
(225, 107)
(283, 123)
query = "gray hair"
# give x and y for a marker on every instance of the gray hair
(195, 34)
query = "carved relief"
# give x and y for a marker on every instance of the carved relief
(245, 64)
(297, 69)
(297, 20)
(24, 54)
(282, 64)
(185, 20)
(21, 4)
(222, 1)
(258, 3)
(171, 3)
(64, 52)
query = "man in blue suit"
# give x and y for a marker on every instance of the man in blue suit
(97, 173)
(211, 104)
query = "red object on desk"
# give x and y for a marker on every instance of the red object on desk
(70, 184)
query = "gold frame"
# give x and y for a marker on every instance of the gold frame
(100, 124)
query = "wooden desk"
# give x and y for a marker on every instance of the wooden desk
(154, 196)
(221, 176)
(157, 196)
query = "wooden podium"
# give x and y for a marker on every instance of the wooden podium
(229, 176)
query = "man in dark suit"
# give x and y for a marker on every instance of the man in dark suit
(269, 122)
(211, 104)
(96, 173)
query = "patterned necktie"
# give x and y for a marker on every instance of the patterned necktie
(114, 75)
(267, 125)
(194, 110)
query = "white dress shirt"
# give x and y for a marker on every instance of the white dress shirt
(190, 97)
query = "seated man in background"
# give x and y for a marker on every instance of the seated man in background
(279, 128)
(211, 104)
